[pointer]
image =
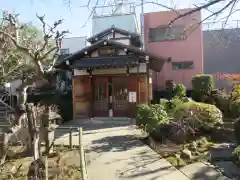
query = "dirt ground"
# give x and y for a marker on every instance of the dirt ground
(63, 164)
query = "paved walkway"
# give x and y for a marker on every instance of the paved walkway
(113, 152)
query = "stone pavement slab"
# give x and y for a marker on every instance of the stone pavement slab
(228, 168)
(139, 163)
(116, 153)
(202, 171)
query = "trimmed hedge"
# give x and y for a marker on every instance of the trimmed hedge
(235, 108)
(202, 85)
(237, 130)
(163, 94)
(179, 91)
(170, 106)
(206, 114)
(149, 117)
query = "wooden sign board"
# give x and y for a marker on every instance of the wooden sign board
(132, 97)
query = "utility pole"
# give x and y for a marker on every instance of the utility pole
(142, 23)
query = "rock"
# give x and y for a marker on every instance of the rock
(13, 170)
(193, 146)
(186, 154)
(221, 154)
(177, 155)
(187, 99)
(151, 142)
(202, 142)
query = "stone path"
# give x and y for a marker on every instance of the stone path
(202, 171)
(113, 152)
(221, 167)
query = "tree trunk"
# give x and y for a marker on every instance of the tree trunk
(4, 138)
(36, 168)
(36, 146)
(3, 151)
(30, 127)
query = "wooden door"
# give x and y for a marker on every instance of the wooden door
(82, 96)
(100, 99)
(120, 96)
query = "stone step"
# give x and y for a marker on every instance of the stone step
(200, 170)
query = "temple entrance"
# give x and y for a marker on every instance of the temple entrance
(101, 96)
(120, 96)
(110, 96)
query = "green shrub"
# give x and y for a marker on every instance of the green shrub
(179, 91)
(202, 85)
(170, 106)
(143, 112)
(235, 108)
(149, 117)
(173, 105)
(234, 96)
(237, 130)
(222, 101)
(236, 154)
(164, 102)
(207, 115)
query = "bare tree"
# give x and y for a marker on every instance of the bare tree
(37, 55)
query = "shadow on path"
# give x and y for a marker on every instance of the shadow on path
(88, 125)
(206, 174)
(115, 143)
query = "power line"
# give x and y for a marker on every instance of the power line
(93, 9)
(87, 5)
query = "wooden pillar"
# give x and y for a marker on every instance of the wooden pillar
(138, 89)
(73, 97)
(92, 98)
(148, 93)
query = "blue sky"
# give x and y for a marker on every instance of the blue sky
(75, 16)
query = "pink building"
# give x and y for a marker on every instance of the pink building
(182, 42)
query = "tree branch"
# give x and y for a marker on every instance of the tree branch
(18, 46)
(48, 52)
(210, 3)
(194, 26)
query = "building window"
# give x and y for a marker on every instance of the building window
(182, 65)
(64, 51)
(164, 33)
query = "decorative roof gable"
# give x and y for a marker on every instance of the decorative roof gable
(154, 62)
(104, 34)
